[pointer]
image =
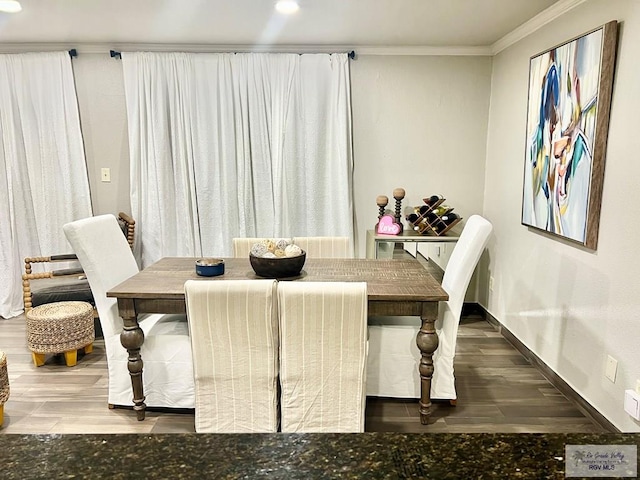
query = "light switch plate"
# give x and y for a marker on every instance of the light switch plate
(611, 369)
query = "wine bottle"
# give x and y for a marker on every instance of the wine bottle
(412, 217)
(449, 218)
(442, 209)
(431, 218)
(424, 227)
(432, 200)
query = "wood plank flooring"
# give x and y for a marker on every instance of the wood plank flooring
(498, 391)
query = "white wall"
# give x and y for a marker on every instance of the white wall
(569, 305)
(419, 123)
(100, 90)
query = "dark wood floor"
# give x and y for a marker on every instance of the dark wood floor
(498, 391)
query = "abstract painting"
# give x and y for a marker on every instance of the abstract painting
(569, 100)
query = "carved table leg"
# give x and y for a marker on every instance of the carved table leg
(427, 341)
(132, 339)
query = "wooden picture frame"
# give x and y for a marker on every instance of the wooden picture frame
(569, 101)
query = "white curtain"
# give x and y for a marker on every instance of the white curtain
(43, 175)
(237, 145)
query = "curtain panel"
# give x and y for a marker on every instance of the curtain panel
(237, 145)
(43, 174)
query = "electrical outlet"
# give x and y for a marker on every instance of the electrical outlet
(611, 369)
(105, 174)
(632, 403)
(491, 284)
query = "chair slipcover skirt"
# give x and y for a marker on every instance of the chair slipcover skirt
(323, 354)
(234, 333)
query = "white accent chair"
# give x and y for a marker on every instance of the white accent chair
(233, 326)
(325, 247)
(392, 370)
(323, 356)
(107, 260)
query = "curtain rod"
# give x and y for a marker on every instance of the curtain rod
(118, 55)
(73, 53)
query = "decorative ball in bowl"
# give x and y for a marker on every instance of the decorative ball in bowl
(277, 259)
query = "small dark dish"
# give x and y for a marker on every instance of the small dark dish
(281, 267)
(209, 267)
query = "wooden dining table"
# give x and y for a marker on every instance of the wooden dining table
(394, 287)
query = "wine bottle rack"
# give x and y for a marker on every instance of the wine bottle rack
(428, 219)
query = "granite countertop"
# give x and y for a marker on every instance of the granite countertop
(294, 456)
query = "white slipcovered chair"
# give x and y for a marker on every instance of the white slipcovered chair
(392, 370)
(233, 326)
(325, 247)
(107, 260)
(323, 354)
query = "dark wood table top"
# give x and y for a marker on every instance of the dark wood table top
(387, 280)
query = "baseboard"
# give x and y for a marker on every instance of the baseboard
(472, 308)
(555, 380)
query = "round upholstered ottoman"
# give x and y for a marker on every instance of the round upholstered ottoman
(4, 384)
(61, 327)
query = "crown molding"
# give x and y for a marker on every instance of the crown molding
(35, 47)
(206, 48)
(425, 50)
(360, 50)
(554, 11)
(214, 48)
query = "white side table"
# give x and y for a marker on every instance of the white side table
(381, 246)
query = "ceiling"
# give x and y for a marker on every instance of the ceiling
(347, 23)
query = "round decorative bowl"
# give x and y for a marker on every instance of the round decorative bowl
(280, 267)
